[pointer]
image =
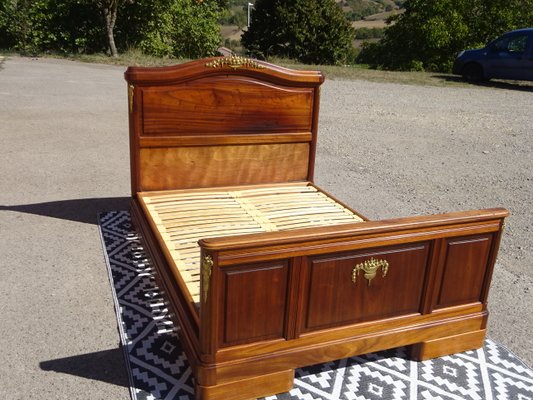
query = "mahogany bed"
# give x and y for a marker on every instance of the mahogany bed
(266, 272)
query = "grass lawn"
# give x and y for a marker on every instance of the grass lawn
(349, 72)
(355, 72)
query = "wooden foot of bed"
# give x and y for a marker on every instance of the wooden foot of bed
(447, 345)
(252, 388)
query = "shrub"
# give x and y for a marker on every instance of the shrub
(369, 33)
(178, 28)
(430, 33)
(310, 31)
(170, 28)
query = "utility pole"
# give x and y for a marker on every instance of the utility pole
(250, 5)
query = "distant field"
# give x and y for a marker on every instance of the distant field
(375, 20)
(230, 32)
(369, 24)
(372, 21)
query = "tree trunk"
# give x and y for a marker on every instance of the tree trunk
(111, 39)
(110, 14)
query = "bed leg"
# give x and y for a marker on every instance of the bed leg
(447, 345)
(250, 388)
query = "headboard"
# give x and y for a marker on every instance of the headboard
(221, 121)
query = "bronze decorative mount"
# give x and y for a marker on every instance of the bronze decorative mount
(207, 265)
(370, 267)
(234, 62)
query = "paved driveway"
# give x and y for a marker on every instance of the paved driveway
(388, 150)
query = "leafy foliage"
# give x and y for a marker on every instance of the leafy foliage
(311, 31)
(177, 28)
(65, 26)
(236, 16)
(369, 33)
(171, 28)
(360, 9)
(430, 33)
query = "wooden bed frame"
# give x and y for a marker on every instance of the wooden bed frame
(254, 303)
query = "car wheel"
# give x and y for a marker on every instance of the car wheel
(473, 73)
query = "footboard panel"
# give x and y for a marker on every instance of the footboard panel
(366, 285)
(254, 303)
(273, 302)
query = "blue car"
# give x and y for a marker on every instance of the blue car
(508, 57)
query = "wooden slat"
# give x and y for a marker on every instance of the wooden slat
(194, 203)
(215, 232)
(198, 215)
(214, 208)
(184, 217)
(173, 225)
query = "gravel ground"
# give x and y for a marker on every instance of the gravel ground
(388, 150)
(393, 150)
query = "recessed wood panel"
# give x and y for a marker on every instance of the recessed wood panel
(219, 105)
(255, 301)
(208, 166)
(334, 299)
(465, 266)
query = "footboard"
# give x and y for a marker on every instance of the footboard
(276, 301)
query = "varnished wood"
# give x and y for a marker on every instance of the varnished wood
(251, 388)
(448, 345)
(219, 151)
(214, 105)
(166, 76)
(266, 116)
(332, 348)
(209, 166)
(361, 331)
(225, 139)
(334, 299)
(466, 219)
(254, 303)
(464, 269)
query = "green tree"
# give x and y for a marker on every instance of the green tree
(430, 33)
(311, 31)
(177, 28)
(47, 25)
(171, 28)
(361, 9)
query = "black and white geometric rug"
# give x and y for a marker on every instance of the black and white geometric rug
(158, 368)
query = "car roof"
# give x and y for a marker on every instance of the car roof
(524, 30)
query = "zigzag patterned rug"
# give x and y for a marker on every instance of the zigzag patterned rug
(158, 368)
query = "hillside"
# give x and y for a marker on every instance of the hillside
(369, 15)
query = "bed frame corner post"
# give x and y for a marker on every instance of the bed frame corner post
(209, 294)
(314, 132)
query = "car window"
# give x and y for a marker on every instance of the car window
(511, 44)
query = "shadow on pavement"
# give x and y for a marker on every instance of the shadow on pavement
(106, 366)
(78, 210)
(507, 85)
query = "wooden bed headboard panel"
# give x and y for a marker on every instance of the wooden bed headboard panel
(221, 121)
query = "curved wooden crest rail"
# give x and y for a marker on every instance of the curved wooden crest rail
(264, 271)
